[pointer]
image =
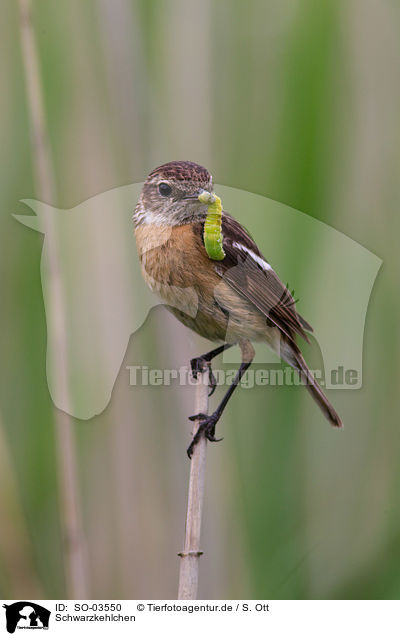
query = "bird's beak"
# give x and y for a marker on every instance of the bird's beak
(204, 196)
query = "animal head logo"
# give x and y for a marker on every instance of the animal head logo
(25, 615)
(106, 299)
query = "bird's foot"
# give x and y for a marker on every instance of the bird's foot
(198, 365)
(206, 428)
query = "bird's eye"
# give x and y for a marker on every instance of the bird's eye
(164, 189)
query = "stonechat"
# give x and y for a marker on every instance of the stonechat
(189, 247)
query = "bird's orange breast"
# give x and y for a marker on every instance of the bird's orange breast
(173, 255)
(175, 265)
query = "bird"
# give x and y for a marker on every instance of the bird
(212, 276)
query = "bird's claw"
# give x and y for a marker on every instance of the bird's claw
(212, 381)
(199, 416)
(198, 365)
(206, 428)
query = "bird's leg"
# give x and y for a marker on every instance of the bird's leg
(208, 422)
(196, 365)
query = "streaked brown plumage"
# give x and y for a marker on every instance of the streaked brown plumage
(235, 301)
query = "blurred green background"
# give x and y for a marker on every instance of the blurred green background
(297, 100)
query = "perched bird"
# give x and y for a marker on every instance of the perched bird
(210, 272)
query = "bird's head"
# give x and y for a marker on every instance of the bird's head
(174, 193)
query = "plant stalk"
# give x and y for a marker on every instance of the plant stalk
(190, 557)
(75, 555)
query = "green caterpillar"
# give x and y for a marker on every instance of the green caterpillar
(213, 239)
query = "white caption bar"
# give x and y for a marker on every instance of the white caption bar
(137, 617)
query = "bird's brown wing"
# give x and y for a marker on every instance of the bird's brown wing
(246, 270)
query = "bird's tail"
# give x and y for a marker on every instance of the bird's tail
(296, 360)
